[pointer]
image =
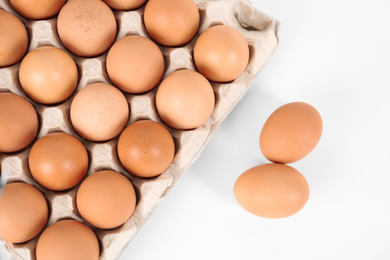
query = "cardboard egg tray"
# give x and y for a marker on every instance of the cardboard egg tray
(260, 32)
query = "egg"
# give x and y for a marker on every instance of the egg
(291, 132)
(13, 39)
(185, 99)
(271, 190)
(48, 75)
(23, 212)
(173, 22)
(67, 239)
(221, 53)
(37, 9)
(106, 199)
(18, 123)
(146, 148)
(87, 28)
(124, 5)
(58, 161)
(99, 112)
(135, 64)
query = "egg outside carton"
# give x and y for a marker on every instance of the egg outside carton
(260, 31)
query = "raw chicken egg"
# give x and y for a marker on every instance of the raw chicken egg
(58, 161)
(171, 22)
(99, 112)
(124, 5)
(106, 199)
(67, 240)
(48, 75)
(23, 212)
(291, 132)
(185, 99)
(37, 9)
(135, 64)
(18, 123)
(146, 148)
(13, 39)
(221, 53)
(272, 190)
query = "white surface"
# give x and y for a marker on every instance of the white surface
(334, 55)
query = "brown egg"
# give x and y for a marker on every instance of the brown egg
(221, 53)
(135, 64)
(48, 75)
(23, 212)
(272, 190)
(18, 123)
(146, 148)
(37, 9)
(58, 161)
(67, 240)
(124, 5)
(291, 132)
(13, 39)
(86, 27)
(99, 112)
(185, 99)
(106, 199)
(173, 22)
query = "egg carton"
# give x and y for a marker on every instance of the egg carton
(259, 30)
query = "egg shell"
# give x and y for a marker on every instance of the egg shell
(13, 39)
(146, 148)
(67, 239)
(124, 5)
(291, 132)
(272, 190)
(23, 212)
(37, 9)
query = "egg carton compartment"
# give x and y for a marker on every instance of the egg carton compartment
(259, 30)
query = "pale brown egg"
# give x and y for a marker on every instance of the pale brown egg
(146, 148)
(135, 64)
(185, 99)
(13, 39)
(37, 9)
(58, 161)
(18, 123)
(23, 212)
(106, 199)
(272, 190)
(86, 27)
(99, 112)
(291, 132)
(124, 5)
(221, 53)
(67, 239)
(48, 75)
(173, 22)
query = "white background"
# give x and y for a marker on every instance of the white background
(335, 55)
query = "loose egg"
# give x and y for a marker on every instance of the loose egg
(106, 199)
(272, 190)
(146, 148)
(221, 53)
(291, 132)
(173, 22)
(23, 212)
(185, 99)
(58, 161)
(124, 5)
(135, 64)
(13, 39)
(67, 240)
(37, 9)
(48, 75)
(86, 27)
(18, 123)
(99, 112)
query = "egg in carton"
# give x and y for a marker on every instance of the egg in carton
(259, 30)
